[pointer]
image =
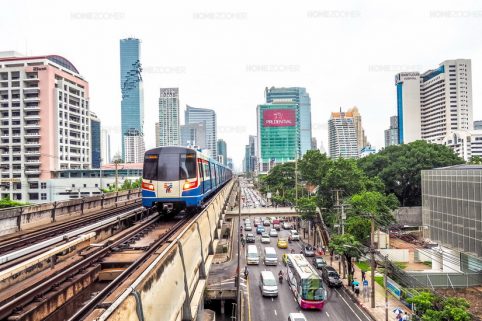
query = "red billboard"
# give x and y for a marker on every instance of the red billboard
(279, 117)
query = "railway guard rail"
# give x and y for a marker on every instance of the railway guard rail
(172, 286)
(15, 219)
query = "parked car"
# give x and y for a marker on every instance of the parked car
(260, 229)
(273, 233)
(294, 235)
(250, 238)
(331, 277)
(282, 243)
(308, 250)
(265, 238)
(248, 227)
(319, 263)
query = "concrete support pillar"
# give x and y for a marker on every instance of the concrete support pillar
(186, 307)
(202, 265)
(222, 307)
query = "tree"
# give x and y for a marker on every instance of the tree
(347, 246)
(475, 160)
(456, 309)
(6, 202)
(314, 166)
(422, 301)
(399, 167)
(432, 308)
(307, 207)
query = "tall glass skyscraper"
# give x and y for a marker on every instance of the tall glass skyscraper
(208, 117)
(132, 105)
(222, 151)
(302, 98)
(95, 133)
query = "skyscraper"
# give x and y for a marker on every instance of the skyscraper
(391, 134)
(440, 99)
(195, 115)
(360, 132)
(95, 133)
(134, 146)
(132, 104)
(342, 135)
(314, 143)
(44, 123)
(193, 135)
(106, 157)
(223, 151)
(278, 133)
(169, 117)
(302, 98)
(157, 133)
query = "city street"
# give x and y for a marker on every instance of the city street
(338, 305)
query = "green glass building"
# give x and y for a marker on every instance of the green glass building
(278, 133)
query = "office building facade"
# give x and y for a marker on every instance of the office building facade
(134, 146)
(132, 104)
(299, 96)
(193, 135)
(222, 151)
(95, 143)
(391, 134)
(362, 140)
(342, 135)
(452, 215)
(465, 143)
(44, 123)
(195, 115)
(441, 99)
(278, 127)
(169, 130)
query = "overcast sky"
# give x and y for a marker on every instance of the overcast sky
(222, 54)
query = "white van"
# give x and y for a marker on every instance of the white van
(252, 256)
(267, 284)
(270, 256)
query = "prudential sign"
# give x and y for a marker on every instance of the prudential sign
(279, 117)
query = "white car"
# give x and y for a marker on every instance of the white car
(248, 227)
(294, 235)
(296, 317)
(286, 225)
(265, 238)
(273, 233)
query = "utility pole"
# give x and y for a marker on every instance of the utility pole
(385, 275)
(116, 163)
(372, 252)
(238, 277)
(337, 191)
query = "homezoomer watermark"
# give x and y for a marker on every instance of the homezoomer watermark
(164, 69)
(97, 15)
(394, 68)
(455, 14)
(272, 68)
(220, 15)
(345, 14)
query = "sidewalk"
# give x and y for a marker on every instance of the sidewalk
(377, 313)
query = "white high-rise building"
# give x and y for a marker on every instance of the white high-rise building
(465, 143)
(134, 146)
(440, 98)
(408, 107)
(44, 123)
(342, 135)
(208, 117)
(169, 117)
(105, 147)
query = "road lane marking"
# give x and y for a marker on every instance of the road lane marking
(348, 305)
(327, 314)
(272, 299)
(275, 313)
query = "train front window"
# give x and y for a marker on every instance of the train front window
(187, 166)
(150, 167)
(168, 167)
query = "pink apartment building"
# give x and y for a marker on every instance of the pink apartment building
(44, 123)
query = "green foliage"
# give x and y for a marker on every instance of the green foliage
(432, 308)
(359, 227)
(363, 265)
(346, 245)
(7, 203)
(423, 301)
(399, 167)
(126, 185)
(475, 160)
(307, 207)
(379, 280)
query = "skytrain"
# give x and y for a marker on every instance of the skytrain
(180, 178)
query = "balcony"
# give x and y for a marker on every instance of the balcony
(32, 125)
(31, 116)
(32, 134)
(32, 162)
(31, 99)
(31, 171)
(32, 152)
(32, 143)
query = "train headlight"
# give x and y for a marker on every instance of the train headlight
(148, 186)
(188, 185)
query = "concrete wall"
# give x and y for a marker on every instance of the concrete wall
(411, 216)
(172, 287)
(397, 255)
(15, 219)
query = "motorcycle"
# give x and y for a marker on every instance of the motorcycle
(280, 278)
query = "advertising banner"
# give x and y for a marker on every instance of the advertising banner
(279, 118)
(394, 288)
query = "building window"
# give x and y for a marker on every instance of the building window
(33, 185)
(43, 196)
(85, 185)
(73, 185)
(33, 196)
(43, 185)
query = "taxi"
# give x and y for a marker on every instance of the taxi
(282, 243)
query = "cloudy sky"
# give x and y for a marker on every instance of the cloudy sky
(222, 54)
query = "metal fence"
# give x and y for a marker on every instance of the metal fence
(447, 280)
